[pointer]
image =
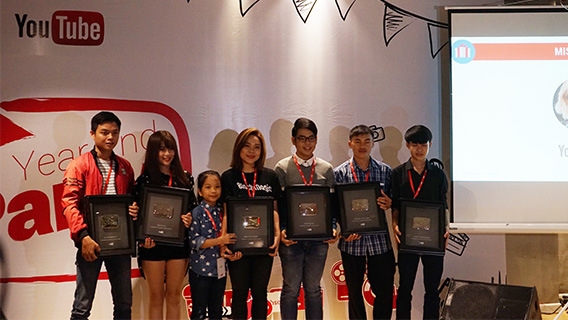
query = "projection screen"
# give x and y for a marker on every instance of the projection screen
(509, 119)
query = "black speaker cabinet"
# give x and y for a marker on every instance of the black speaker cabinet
(478, 300)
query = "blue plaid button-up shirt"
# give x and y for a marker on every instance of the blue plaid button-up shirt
(379, 172)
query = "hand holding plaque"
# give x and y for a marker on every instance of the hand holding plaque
(422, 224)
(109, 224)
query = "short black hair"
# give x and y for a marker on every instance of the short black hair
(418, 134)
(304, 123)
(103, 117)
(360, 130)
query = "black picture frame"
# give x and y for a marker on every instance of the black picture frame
(160, 215)
(110, 225)
(308, 212)
(252, 220)
(422, 224)
(358, 209)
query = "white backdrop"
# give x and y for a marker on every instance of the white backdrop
(205, 70)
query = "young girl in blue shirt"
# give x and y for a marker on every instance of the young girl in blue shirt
(207, 277)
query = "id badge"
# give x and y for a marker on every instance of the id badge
(221, 268)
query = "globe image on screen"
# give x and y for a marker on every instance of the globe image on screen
(560, 103)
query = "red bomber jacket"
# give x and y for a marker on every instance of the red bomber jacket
(82, 178)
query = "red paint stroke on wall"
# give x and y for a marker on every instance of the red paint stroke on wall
(11, 132)
(37, 105)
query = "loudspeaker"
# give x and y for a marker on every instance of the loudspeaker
(478, 300)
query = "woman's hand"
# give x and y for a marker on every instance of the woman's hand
(228, 254)
(273, 252)
(148, 243)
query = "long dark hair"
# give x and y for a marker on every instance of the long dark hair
(152, 165)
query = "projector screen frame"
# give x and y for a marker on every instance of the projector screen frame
(503, 226)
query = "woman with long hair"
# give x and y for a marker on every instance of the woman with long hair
(248, 178)
(162, 263)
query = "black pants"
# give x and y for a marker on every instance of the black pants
(432, 267)
(250, 272)
(206, 296)
(380, 273)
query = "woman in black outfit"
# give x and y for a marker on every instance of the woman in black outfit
(160, 262)
(248, 178)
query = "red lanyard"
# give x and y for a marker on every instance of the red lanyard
(170, 182)
(213, 221)
(416, 192)
(302, 174)
(251, 192)
(355, 175)
(105, 187)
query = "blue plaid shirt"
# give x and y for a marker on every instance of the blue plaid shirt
(380, 172)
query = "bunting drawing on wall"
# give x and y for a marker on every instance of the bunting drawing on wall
(346, 3)
(248, 4)
(304, 8)
(395, 19)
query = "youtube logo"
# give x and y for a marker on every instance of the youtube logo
(66, 27)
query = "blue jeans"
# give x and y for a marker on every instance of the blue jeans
(302, 263)
(432, 267)
(207, 296)
(118, 268)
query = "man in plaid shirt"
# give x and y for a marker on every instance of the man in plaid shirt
(367, 252)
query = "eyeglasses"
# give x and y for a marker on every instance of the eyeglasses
(303, 139)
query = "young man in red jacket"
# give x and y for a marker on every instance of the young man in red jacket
(98, 172)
